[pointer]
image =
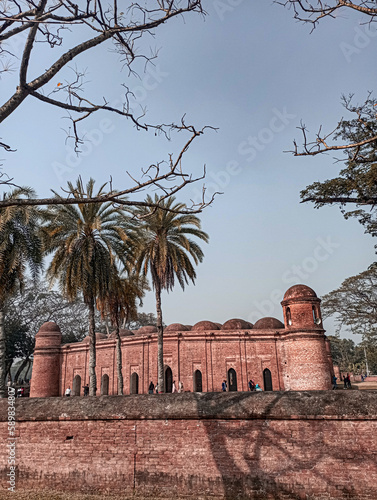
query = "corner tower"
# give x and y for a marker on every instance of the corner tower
(46, 364)
(306, 364)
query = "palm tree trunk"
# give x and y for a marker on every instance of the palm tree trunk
(160, 346)
(119, 360)
(2, 355)
(92, 351)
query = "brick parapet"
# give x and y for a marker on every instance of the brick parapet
(305, 405)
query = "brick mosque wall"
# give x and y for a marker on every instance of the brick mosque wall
(290, 356)
(276, 445)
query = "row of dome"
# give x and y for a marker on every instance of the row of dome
(231, 324)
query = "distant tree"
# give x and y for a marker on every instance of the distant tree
(142, 319)
(20, 248)
(366, 353)
(354, 358)
(18, 343)
(37, 304)
(85, 241)
(164, 250)
(354, 304)
(120, 303)
(343, 353)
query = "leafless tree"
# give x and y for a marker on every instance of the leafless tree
(312, 11)
(92, 22)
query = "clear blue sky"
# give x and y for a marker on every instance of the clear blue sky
(253, 72)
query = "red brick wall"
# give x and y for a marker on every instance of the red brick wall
(301, 445)
(297, 360)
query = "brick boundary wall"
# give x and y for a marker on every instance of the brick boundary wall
(277, 445)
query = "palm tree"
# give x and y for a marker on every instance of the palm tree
(120, 304)
(20, 247)
(86, 241)
(164, 249)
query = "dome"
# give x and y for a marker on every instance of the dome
(236, 324)
(205, 325)
(49, 326)
(147, 329)
(299, 291)
(268, 324)
(122, 333)
(99, 336)
(176, 327)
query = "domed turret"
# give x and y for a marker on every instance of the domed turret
(46, 365)
(301, 308)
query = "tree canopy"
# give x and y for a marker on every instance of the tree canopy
(354, 304)
(354, 190)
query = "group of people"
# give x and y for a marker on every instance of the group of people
(68, 391)
(154, 388)
(251, 384)
(254, 387)
(346, 381)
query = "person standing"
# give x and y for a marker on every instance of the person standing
(251, 385)
(156, 388)
(68, 391)
(334, 379)
(173, 389)
(223, 386)
(86, 390)
(180, 386)
(151, 388)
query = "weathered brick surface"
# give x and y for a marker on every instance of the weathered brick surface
(284, 445)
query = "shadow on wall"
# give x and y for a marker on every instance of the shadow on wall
(278, 463)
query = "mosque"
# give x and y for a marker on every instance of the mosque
(279, 357)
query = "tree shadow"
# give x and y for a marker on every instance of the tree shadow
(285, 458)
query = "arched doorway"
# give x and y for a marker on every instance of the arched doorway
(198, 385)
(105, 385)
(232, 380)
(267, 380)
(134, 389)
(76, 386)
(168, 379)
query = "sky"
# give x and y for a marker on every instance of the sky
(252, 72)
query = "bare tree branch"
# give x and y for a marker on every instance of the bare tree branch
(312, 11)
(45, 22)
(153, 176)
